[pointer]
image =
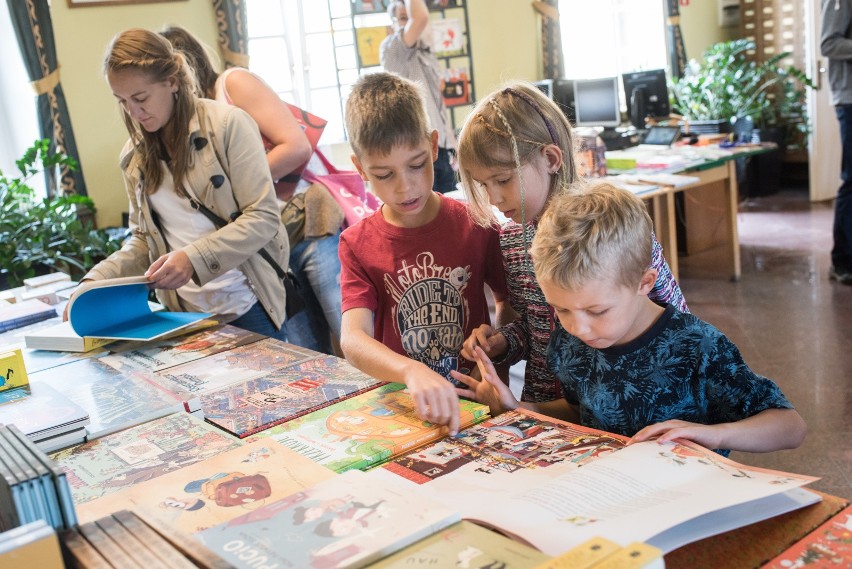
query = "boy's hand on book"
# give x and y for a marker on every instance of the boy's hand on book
(490, 390)
(492, 342)
(707, 436)
(435, 398)
(170, 271)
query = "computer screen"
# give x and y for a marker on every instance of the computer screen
(647, 95)
(562, 92)
(596, 102)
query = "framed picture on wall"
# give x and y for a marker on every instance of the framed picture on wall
(85, 3)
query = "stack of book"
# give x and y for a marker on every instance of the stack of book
(128, 539)
(24, 312)
(32, 486)
(48, 417)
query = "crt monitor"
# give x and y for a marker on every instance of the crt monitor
(560, 91)
(596, 102)
(647, 95)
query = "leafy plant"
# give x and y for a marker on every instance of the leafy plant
(46, 233)
(728, 85)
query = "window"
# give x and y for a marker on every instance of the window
(18, 121)
(606, 38)
(305, 50)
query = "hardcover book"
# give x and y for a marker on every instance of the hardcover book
(665, 495)
(41, 411)
(465, 544)
(166, 353)
(827, 547)
(258, 404)
(13, 372)
(144, 452)
(207, 493)
(365, 430)
(346, 521)
(129, 316)
(230, 367)
(114, 400)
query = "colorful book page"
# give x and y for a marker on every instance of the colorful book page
(231, 367)
(283, 395)
(365, 430)
(164, 354)
(346, 521)
(144, 452)
(827, 547)
(194, 498)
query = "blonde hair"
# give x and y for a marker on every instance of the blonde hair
(507, 129)
(596, 231)
(147, 52)
(385, 111)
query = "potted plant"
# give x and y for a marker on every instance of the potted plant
(728, 86)
(40, 235)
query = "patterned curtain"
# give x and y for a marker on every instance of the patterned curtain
(233, 31)
(677, 53)
(34, 30)
(551, 38)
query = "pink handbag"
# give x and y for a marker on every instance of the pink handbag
(348, 190)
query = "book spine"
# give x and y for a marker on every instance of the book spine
(189, 546)
(80, 554)
(129, 543)
(155, 543)
(107, 547)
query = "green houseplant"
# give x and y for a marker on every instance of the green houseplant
(728, 86)
(46, 234)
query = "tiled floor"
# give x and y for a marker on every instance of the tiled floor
(792, 325)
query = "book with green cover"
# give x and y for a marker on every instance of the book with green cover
(258, 404)
(365, 430)
(144, 452)
(215, 490)
(464, 544)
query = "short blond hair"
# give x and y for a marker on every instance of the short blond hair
(385, 111)
(594, 231)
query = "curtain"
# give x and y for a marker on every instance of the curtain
(677, 52)
(233, 31)
(551, 38)
(34, 31)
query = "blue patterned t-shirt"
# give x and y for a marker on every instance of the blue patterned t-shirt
(681, 368)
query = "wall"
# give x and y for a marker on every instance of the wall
(699, 24)
(82, 35)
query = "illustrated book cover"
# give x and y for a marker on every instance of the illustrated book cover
(623, 493)
(344, 522)
(207, 493)
(465, 544)
(166, 353)
(223, 369)
(260, 403)
(117, 461)
(114, 400)
(118, 309)
(41, 411)
(365, 430)
(13, 370)
(827, 547)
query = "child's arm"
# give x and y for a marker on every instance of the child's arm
(493, 392)
(434, 397)
(767, 431)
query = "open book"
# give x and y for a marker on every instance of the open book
(118, 309)
(561, 484)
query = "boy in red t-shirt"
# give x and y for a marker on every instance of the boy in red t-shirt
(412, 274)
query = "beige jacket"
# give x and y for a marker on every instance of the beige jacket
(237, 162)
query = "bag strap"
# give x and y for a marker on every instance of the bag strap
(332, 169)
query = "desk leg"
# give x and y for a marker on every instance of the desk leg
(732, 201)
(663, 208)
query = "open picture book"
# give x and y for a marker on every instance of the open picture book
(118, 309)
(561, 484)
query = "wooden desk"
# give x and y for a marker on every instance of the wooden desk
(756, 544)
(710, 209)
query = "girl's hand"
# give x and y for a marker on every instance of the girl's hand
(492, 342)
(708, 436)
(491, 390)
(170, 271)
